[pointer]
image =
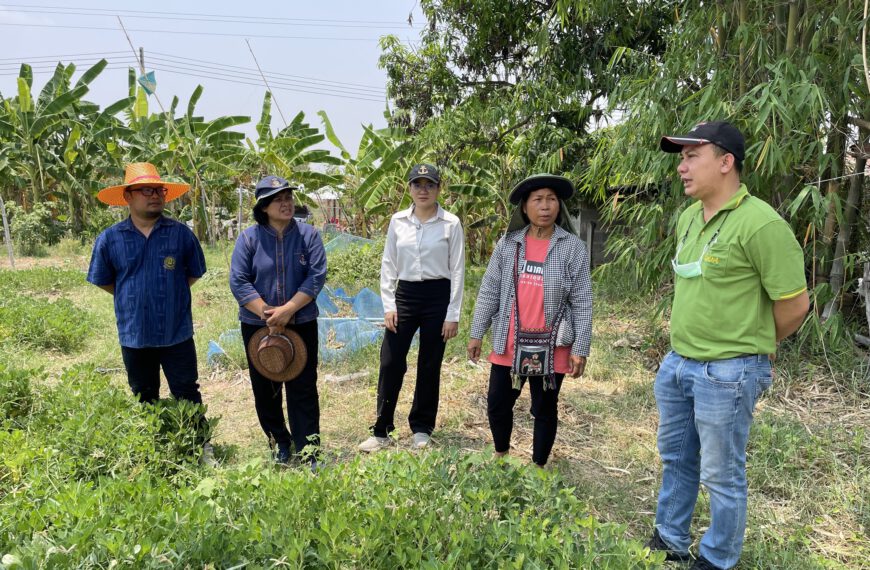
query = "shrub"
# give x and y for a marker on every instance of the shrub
(98, 219)
(41, 323)
(32, 231)
(355, 267)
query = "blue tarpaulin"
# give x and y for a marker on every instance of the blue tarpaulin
(339, 336)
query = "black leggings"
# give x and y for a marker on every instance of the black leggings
(500, 402)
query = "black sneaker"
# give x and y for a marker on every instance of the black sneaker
(657, 543)
(702, 563)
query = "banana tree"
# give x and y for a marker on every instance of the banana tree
(32, 125)
(85, 162)
(374, 180)
(207, 155)
(290, 154)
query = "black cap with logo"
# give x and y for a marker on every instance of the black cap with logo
(426, 171)
(720, 133)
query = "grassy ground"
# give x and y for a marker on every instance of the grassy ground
(809, 451)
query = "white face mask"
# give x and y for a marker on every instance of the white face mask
(694, 268)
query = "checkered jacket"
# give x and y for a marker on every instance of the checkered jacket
(566, 277)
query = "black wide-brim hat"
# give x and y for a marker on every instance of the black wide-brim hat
(563, 187)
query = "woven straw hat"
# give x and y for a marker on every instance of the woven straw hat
(280, 357)
(140, 174)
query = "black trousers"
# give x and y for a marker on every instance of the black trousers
(303, 404)
(420, 305)
(500, 402)
(179, 366)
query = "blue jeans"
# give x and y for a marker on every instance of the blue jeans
(705, 410)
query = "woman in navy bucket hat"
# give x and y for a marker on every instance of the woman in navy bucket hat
(278, 268)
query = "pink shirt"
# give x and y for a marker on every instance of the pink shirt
(531, 300)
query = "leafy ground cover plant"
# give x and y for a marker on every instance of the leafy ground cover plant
(41, 323)
(31, 315)
(93, 480)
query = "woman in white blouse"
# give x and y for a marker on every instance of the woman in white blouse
(422, 276)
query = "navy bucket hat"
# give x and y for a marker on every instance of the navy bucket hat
(271, 185)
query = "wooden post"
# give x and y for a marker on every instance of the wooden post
(6, 234)
(240, 190)
(865, 286)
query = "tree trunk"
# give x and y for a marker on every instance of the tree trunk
(865, 289)
(838, 268)
(836, 142)
(75, 211)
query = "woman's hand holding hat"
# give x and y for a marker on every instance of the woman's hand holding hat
(278, 317)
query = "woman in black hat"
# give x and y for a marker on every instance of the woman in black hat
(422, 276)
(537, 296)
(278, 268)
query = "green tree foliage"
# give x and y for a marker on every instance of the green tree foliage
(60, 150)
(499, 90)
(790, 76)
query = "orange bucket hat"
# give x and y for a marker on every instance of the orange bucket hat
(140, 174)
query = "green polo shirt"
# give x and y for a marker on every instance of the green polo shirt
(756, 260)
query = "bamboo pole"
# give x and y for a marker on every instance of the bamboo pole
(865, 286)
(835, 148)
(741, 57)
(794, 13)
(6, 233)
(844, 237)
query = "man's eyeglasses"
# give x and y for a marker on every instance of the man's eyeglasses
(149, 191)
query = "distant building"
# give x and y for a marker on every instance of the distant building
(328, 204)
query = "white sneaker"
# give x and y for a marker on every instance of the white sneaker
(207, 458)
(421, 440)
(374, 443)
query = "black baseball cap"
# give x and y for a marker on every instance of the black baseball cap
(271, 185)
(426, 171)
(720, 133)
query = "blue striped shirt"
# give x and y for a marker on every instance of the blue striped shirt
(150, 275)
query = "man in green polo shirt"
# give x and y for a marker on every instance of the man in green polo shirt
(739, 288)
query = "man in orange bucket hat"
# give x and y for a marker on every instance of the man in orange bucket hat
(148, 262)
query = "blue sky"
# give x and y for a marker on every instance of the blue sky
(316, 55)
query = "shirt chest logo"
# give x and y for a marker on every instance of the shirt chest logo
(169, 263)
(533, 268)
(532, 273)
(711, 259)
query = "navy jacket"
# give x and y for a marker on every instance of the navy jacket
(274, 267)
